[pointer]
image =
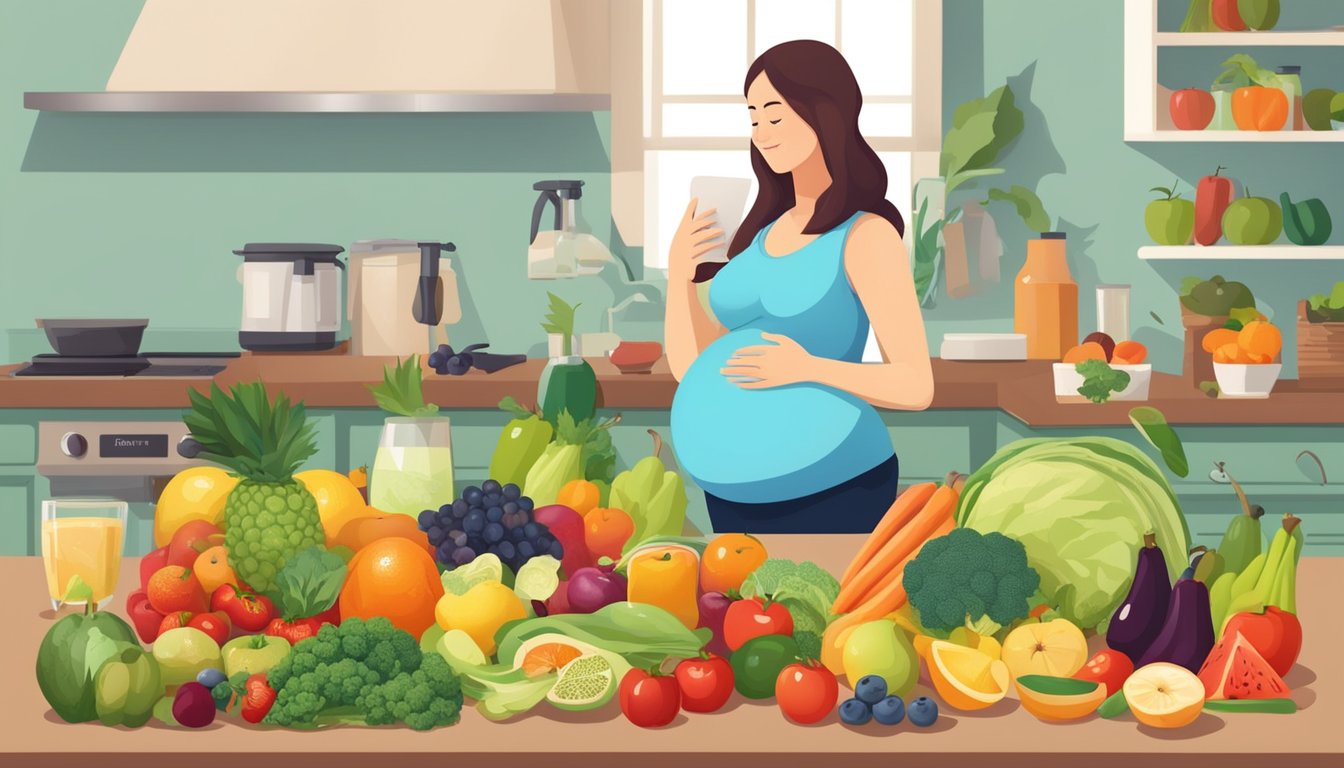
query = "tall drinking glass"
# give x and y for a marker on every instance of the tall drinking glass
(82, 537)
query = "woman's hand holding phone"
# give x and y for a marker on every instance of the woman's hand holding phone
(697, 234)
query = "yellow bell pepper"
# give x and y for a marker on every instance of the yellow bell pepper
(666, 577)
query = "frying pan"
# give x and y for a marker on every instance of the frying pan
(84, 337)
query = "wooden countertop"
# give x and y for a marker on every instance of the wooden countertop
(746, 733)
(1022, 389)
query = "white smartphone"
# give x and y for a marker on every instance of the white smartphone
(728, 196)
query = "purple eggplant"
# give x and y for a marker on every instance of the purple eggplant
(1187, 634)
(1139, 619)
(713, 609)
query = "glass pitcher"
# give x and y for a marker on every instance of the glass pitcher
(413, 469)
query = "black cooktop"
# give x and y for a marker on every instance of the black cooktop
(174, 364)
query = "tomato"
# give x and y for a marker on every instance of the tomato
(728, 561)
(174, 620)
(806, 692)
(249, 612)
(214, 624)
(258, 697)
(752, 618)
(705, 683)
(649, 701)
(1111, 668)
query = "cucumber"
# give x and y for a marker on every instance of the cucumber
(1115, 705)
(1262, 706)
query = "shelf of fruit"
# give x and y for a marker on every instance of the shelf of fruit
(1058, 579)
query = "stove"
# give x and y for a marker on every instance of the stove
(161, 364)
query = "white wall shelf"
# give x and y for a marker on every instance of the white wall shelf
(1244, 137)
(1280, 252)
(1322, 38)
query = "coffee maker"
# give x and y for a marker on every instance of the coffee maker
(291, 296)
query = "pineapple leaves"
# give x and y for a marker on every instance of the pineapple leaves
(244, 431)
(402, 390)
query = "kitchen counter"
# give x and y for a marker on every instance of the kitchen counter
(1024, 390)
(746, 733)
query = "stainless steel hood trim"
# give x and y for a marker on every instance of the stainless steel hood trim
(240, 101)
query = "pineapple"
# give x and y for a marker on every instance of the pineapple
(269, 515)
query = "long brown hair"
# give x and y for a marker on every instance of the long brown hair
(818, 84)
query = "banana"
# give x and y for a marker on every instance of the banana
(1220, 597)
(1284, 593)
(1248, 577)
(1273, 560)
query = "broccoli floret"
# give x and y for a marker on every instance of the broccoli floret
(363, 672)
(968, 579)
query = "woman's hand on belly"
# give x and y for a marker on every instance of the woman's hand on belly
(762, 366)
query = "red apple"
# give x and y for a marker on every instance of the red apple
(1274, 634)
(1192, 109)
(151, 563)
(192, 539)
(566, 526)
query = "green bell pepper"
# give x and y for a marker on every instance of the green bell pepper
(520, 444)
(1306, 222)
(653, 496)
(127, 687)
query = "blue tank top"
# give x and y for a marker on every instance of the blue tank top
(767, 445)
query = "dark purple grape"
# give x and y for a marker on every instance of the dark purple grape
(463, 555)
(511, 492)
(490, 486)
(435, 535)
(460, 508)
(510, 507)
(494, 514)
(533, 530)
(435, 359)
(475, 522)
(427, 518)
(472, 495)
(507, 550)
(525, 504)
(493, 533)
(510, 522)
(493, 499)
(557, 551)
(526, 551)
(516, 535)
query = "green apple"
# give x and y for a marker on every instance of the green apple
(1252, 221)
(1337, 111)
(183, 652)
(253, 654)
(881, 648)
(1316, 108)
(1169, 219)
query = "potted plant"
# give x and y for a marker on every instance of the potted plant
(568, 382)
(413, 469)
(981, 129)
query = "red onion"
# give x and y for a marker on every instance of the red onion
(593, 587)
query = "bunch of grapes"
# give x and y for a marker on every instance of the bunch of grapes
(492, 518)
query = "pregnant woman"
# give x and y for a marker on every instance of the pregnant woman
(775, 413)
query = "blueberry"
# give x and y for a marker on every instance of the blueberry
(210, 677)
(512, 492)
(494, 514)
(427, 518)
(855, 712)
(889, 711)
(923, 712)
(472, 495)
(871, 689)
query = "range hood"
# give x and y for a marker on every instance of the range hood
(356, 56)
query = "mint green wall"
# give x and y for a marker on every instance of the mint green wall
(1064, 60)
(136, 215)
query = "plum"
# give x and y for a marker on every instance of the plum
(1106, 342)
(193, 706)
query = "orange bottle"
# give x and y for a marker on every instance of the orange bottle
(1045, 299)
(666, 577)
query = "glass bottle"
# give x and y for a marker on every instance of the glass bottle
(1290, 82)
(1045, 299)
(413, 469)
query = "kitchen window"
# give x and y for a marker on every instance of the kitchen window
(696, 52)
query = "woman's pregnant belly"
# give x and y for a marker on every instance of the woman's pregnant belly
(764, 445)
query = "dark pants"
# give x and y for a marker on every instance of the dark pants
(854, 506)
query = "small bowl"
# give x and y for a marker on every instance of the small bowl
(1244, 380)
(92, 337)
(1068, 380)
(636, 356)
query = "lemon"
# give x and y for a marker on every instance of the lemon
(1164, 695)
(965, 678)
(197, 493)
(480, 612)
(338, 500)
(1054, 648)
(1059, 699)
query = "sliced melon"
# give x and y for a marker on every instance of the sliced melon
(1235, 670)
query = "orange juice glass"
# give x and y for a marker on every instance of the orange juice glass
(84, 538)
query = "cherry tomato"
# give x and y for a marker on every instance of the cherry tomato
(174, 620)
(249, 612)
(752, 618)
(1109, 667)
(806, 692)
(649, 701)
(705, 683)
(729, 560)
(214, 624)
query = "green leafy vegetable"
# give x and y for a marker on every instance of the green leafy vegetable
(1100, 380)
(1154, 427)
(1327, 309)
(1214, 297)
(560, 319)
(401, 392)
(806, 589)
(1027, 204)
(644, 634)
(309, 583)
(1241, 71)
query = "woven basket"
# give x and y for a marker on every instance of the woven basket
(1320, 353)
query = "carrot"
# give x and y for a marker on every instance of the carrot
(898, 548)
(902, 511)
(892, 595)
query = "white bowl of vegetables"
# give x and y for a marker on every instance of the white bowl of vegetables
(1099, 370)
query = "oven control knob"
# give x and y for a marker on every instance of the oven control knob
(188, 448)
(74, 445)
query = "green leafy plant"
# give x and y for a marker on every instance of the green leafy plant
(1152, 424)
(1100, 380)
(1199, 18)
(560, 319)
(1327, 309)
(1242, 71)
(1027, 205)
(401, 392)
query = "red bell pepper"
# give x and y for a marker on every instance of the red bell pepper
(1212, 196)
(1226, 16)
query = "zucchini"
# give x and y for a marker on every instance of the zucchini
(1115, 705)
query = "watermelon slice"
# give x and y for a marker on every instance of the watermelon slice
(1235, 670)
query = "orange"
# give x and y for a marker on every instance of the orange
(547, 658)
(1089, 350)
(1232, 353)
(1217, 338)
(729, 560)
(1129, 353)
(197, 493)
(359, 477)
(1261, 339)
(965, 678)
(581, 496)
(358, 532)
(396, 578)
(338, 500)
(213, 569)
(605, 532)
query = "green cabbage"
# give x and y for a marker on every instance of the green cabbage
(1080, 506)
